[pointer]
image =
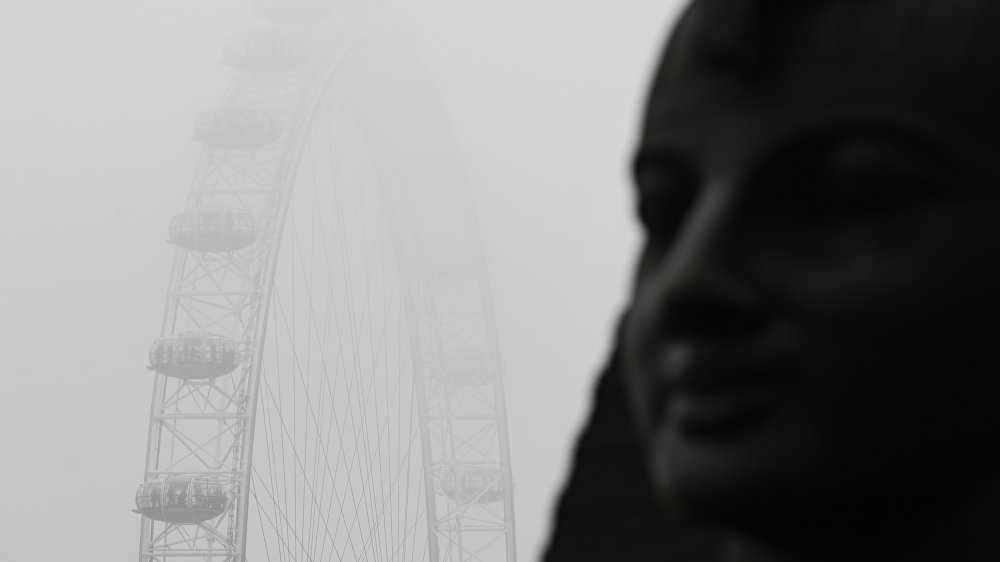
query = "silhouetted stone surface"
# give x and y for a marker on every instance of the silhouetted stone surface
(607, 510)
(808, 365)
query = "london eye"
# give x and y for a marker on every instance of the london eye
(327, 380)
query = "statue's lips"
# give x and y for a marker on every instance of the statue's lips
(725, 412)
(705, 396)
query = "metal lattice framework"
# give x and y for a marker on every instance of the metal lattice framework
(328, 355)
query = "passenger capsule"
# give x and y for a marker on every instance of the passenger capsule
(213, 229)
(465, 368)
(236, 128)
(182, 499)
(264, 50)
(194, 355)
(294, 12)
(476, 484)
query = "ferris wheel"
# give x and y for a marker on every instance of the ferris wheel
(327, 384)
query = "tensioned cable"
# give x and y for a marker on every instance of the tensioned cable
(370, 441)
(299, 367)
(383, 423)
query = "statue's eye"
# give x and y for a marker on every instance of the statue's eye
(873, 178)
(850, 179)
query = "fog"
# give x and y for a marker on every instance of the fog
(97, 109)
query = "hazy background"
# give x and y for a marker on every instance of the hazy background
(96, 110)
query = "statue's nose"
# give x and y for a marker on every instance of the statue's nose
(702, 288)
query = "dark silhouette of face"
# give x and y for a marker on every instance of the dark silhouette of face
(816, 310)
